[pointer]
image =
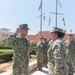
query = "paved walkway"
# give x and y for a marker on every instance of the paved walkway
(43, 72)
(35, 72)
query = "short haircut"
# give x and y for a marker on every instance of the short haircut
(60, 35)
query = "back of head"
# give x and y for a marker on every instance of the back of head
(60, 35)
(59, 32)
(41, 37)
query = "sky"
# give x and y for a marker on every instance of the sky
(16, 12)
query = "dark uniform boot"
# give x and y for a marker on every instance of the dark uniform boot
(39, 69)
(70, 73)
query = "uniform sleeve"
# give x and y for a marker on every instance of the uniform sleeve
(66, 44)
(37, 47)
(28, 54)
(38, 44)
(10, 41)
(58, 59)
(66, 48)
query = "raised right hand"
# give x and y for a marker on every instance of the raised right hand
(17, 31)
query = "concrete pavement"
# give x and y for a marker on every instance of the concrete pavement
(34, 72)
(43, 72)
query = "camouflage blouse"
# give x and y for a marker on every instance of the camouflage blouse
(20, 54)
(57, 63)
(70, 50)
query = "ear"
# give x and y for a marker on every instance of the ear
(20, 29)
(56, 34)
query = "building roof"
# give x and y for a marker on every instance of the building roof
(5, 29)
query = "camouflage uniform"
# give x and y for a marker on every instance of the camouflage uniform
(50, 43)
(40, 55)
(70, 52)
(57, 63)
(45, 54)
(21, 54)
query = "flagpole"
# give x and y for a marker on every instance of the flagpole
(41, 21)
(40, 8)
(56, 13)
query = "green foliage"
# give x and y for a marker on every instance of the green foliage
(6, 54)
(4, 51)
(3, 43)
(5, 47)
(6, 57)
(32, 49)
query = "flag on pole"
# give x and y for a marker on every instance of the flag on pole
(40, 6)
(43, 18)
(59, 3)
(49, 21)
(63, 21)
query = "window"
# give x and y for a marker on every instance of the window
(3, 34)
(32, 42)
(7, 35)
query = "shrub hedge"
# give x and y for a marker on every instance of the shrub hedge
(5, 47)
(32, 49)
(6, 57)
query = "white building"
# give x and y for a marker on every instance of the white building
(4, 33)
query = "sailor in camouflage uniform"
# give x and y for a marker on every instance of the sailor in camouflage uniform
(57, 64)
(70, 52)
(45, 52)
(40, 53)
(20, 45)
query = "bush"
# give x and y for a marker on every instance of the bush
(5, 57)
(32, 49)
(5, 47)
(7, 51)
